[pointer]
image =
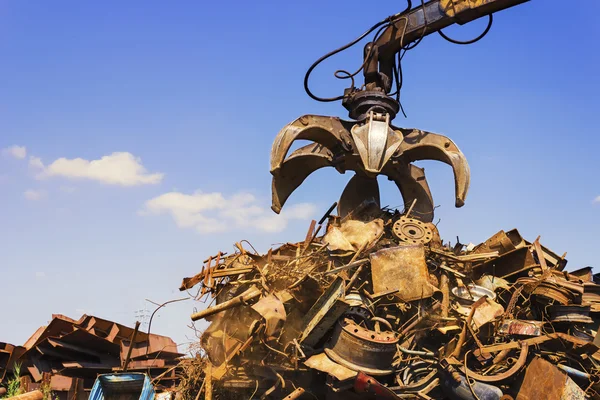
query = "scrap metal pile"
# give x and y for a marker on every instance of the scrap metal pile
(380, 307)
(67, 355)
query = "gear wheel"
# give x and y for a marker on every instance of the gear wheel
(412, 230)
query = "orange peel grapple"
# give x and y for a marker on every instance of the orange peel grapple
(370, 145)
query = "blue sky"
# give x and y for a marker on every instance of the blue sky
(121, 120)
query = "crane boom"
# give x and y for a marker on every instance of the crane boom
(421, 21)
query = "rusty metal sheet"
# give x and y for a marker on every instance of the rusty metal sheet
(508, 264)
(502, 242)
(323, 314)
(486, 312)
(543, 380)
(585, 274)
(353, 235)
(403, 268)
(591, 293)
(273, 311)
(323, 363)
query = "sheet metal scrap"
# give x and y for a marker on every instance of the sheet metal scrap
(371, 308)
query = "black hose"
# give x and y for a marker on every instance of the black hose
(478, 38)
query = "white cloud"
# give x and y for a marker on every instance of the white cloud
(596, 200)
(36, 162)
(18, 152)
(119, 168)
(34, 195)
(40, 275)
(213, 212)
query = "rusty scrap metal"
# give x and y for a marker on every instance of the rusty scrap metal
(412, 230)
(248, 295)
(296, 394)
(362, 349)
(65, 353)
(404, 268)
(543, 380)
(324, 313)
(131, 345)
(520, 327)
(273, 311)
(329, 317)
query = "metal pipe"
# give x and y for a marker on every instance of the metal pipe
(416, 352)
(249, 294)
(295, 394)
(575, 373)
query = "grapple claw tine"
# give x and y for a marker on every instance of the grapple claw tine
(358, 189)
(422, 145)
(412, 183)
(330, 132)
(295, 169)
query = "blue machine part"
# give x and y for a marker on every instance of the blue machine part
(122, 386)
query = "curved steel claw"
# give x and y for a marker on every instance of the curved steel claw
(370, 149)
(357, 190)
(296, 168)
(422, 145)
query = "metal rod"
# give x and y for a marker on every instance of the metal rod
(131, 343)
(249, 294)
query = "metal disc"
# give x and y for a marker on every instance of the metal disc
(412, 230)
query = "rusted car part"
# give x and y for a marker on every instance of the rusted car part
(339, 145)
(543, 380)
(361, 349)
(469, 294)
(403, 268)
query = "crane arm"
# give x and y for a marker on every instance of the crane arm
(431, 17)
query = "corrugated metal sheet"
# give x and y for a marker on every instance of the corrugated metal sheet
(121, 386)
